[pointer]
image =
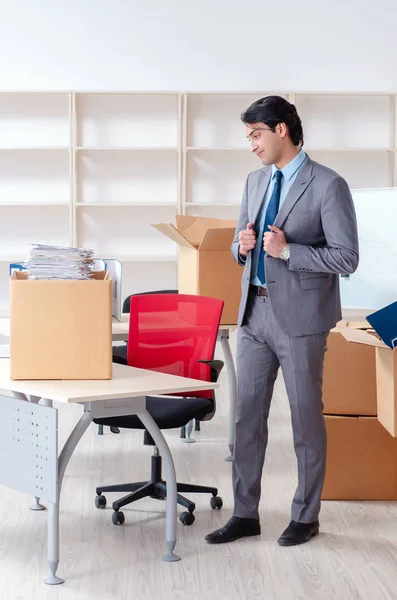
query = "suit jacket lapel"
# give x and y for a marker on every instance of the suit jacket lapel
(259, 193)
(303, 179)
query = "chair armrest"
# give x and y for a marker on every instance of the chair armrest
(216, 367)
(120, 360)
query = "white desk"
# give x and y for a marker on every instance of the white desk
(29, 435)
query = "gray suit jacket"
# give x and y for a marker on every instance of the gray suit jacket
(319, 222)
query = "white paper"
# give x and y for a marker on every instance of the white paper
(59, 262)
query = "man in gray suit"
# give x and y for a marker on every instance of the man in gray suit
(296, 233)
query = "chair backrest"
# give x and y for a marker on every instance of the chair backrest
(126, 303)
(172, 332)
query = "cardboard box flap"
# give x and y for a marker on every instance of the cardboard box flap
(353, 324)
(195, 228)
(217, 239)
(361, 337)
(171, 232)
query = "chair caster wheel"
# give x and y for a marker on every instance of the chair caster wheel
(187, 518)
(216, 502)
(100, 502)
(118, 518)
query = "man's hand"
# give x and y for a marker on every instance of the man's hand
(247, 239)
(274, 241)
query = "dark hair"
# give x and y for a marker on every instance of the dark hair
(273, 110)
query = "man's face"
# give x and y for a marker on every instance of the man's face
(266, 144)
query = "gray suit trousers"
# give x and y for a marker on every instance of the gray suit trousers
(261, 348)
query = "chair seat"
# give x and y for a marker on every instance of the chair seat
(120, 352)
(168, 413)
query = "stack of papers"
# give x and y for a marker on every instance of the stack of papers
(59, 262)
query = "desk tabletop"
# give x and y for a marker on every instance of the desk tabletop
(127, 382)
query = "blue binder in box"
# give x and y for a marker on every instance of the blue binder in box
(384, 321)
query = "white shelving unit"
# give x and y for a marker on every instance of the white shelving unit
(97, 168)
(355, 134)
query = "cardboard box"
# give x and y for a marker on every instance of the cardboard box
(206, 266)
(386, 376)
(60, 329)
(349, 381)
(361, 460)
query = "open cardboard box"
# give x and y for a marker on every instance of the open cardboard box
(60, 329)
(206, 266)
(349, 379)
(384, 324)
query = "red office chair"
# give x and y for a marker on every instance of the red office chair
(176, 334)
(121, 351)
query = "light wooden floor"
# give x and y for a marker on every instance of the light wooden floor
(354, 557)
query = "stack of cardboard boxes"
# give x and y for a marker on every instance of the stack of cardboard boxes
(359, 395)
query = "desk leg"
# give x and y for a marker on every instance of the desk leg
(232, 379)
(37, 505)
(171, 503)
(53, 543)
(33, 400)
(53, 507)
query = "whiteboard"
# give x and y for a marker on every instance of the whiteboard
(374, 284)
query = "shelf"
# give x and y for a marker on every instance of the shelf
(305, 148)
(127, 120)
(127, 148)
(128, 205)
(126, 177)
(217, 149)
(35, 120)
(127, 92)
(34, 148)
(212, 204)
(33, 204)
(325, 149)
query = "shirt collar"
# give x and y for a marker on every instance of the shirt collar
(290, 169)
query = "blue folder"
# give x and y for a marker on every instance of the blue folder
(384, 321)
(17, 267)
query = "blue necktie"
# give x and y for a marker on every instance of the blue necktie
(270, 217)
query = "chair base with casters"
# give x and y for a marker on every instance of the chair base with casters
(165, 412)
(155, 488)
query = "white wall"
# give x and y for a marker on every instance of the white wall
(340, 45)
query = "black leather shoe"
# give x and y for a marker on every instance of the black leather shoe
(233, 530)
(298, 533)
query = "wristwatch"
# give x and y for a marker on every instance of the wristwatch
(285, 253)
